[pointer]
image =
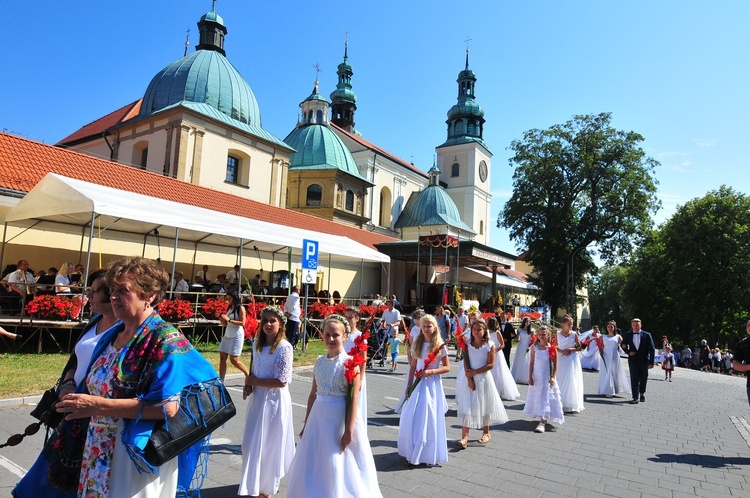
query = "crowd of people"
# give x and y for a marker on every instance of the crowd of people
(130, 364)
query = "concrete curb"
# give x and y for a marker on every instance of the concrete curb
(33, 400)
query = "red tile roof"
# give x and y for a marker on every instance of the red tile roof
(380, 151)
(96, 128)
(23, 163)
(514, 274)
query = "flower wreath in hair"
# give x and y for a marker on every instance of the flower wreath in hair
(276, 312)
(340, 319)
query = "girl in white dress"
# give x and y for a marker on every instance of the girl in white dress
(333, 455)
(612, 377)
(506, 386)
(590, 357)
(352, 317)
(234, 335)
(543, 398)
(421, 430)
(519, 368)
(268, 442)
(411, 336)
(479, 404)
(570, 374)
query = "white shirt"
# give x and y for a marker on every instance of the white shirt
(19, 278)
(181, 286)
(292, 307)
(206, 277)
(463, 321)
(231, 276)
(390, 317)
(637, 340)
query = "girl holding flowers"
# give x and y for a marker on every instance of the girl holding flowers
(333, 455)
(506, 386)
(356, 343)
(268, 442)
(520, 366)
(571, 374)
(543, 397)
(421, 430)
(479, 404)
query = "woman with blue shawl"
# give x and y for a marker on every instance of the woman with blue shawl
(135, 377)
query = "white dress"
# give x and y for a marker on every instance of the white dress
(543, 400)
(268, 442)
(612, 377)
(413, 334)
(483, 405)
(421, 429)
(320, 469)
(504, 382)
(519, 368)
(590, 357)
(569, 375)
(362, 411)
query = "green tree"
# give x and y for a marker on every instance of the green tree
(700, 267)
(574, 185)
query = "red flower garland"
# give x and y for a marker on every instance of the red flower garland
(552, 349)
(351, 370)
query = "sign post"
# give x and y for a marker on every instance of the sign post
(309, 276)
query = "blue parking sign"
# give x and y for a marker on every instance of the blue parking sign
(309, 254)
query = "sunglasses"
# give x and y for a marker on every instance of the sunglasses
(30, 430)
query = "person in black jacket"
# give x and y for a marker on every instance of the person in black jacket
(509, 333)
(639, 346)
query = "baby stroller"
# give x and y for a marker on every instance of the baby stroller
(377, 347)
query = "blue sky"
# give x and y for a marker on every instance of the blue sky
(675, 71)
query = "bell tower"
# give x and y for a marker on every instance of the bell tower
(465, 160)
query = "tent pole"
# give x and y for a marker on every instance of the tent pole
(361, 276)
(174, 261)
(239, 262)
(88, 253)
(446, 300)
(329, 274)
(83, 234)
(418, 297)
(2, 249)
(145, 241)
(290, 284)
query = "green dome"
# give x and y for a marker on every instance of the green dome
(466, 108)
(432, 206)
(204, 77)
(320, 148)
(213, 17)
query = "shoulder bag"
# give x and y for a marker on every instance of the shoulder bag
(204, 407)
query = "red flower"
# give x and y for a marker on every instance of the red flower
(175, 310)
(49, 306)
(552, 348)
(600, 342)
(214, 308)
(460, 342)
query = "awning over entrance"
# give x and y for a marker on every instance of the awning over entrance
(59, 199)
(480, 276)
(470, 253)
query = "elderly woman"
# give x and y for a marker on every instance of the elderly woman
(137, 371)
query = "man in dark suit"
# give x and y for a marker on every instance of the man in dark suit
(509, 333)
(639, 346)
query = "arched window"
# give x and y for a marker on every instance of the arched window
(314, 195)
(238, 167)
(319, 116)
(349, 200)
(455, 169)
(481, 227)
(385, 207)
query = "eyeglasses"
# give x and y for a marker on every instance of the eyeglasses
(30, 430)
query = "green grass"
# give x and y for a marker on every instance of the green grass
(32, 374)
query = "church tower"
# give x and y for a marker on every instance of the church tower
(464, 159)
(343, 99)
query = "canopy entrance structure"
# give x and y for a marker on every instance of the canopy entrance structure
(59, 201)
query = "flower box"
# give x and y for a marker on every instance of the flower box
(52, 307)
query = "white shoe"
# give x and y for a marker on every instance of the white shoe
(539, 428)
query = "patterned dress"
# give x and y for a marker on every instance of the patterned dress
(102, 431)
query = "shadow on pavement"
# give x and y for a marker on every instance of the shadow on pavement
(707, 461)
(226, 449)
(219, 492)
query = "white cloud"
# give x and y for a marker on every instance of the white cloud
(705, 143)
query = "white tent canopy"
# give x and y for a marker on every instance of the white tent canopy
(59, 199)
(480, 276)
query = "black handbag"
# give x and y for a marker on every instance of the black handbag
(49, 398)
(204, 407)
